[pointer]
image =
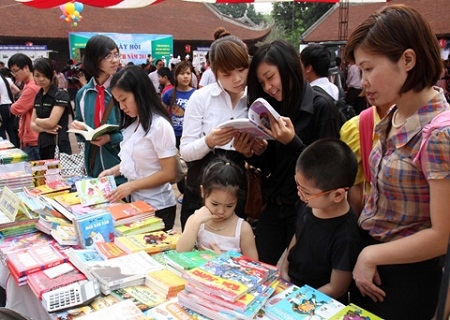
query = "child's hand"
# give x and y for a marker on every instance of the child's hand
(203, 215)
(212, 247)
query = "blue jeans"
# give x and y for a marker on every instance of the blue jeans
(33, 152)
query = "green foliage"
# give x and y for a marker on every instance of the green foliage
(241, 10)
(293, 18)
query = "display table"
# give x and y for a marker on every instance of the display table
(21, 299)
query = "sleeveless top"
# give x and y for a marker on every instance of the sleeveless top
(224, 243)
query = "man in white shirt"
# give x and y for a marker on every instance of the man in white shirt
(315, 60)
(154, 75)
(354, 88)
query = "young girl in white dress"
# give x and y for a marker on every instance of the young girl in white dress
(215, 226)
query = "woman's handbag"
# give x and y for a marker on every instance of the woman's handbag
(255, 203)
(182, 169)
(71, 164)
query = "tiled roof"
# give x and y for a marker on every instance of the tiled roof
(183, 19)
(437, 12)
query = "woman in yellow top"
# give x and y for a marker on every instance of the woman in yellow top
(350, 134)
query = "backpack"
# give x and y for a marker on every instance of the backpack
(346, 111)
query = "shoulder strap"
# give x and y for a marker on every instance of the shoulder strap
(366, 123)
(95, 148)
(440, 121)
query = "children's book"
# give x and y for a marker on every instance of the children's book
(12, 155)
(120, 272)
(124, 211)
(143, 296)
(182, 261)
(151, 242)
(35, 258)
(258, 117)
(82, 259)
(94, 227)
(65, 235)
(230, 275)
(172, 310)
(123, 310)
(352, 311)
(92, 134)
(166, 282)
(68, 199)
(40, 283)
(94, 190)
(108, 250)
(14, 244)
(303, 304)
(146, 225)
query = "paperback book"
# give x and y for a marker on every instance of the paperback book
(108, 250)
(151, 242)
(352, 311)
(230, 275)
(130, 212)
(258, 118)
(182, 261)
(143, 296)
(94, 190)
(172, 310)
(123, 310)
(93, 228)
(165, 282)
(40, 283)
(92, 134)
(123, 271)
(82, 259)
(143, 226)
(303, 304)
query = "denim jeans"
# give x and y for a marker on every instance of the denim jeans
(33, 152)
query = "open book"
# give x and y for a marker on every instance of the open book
(92, 134)
(258, 117)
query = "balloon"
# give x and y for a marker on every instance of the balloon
(70, 7)
(75, 24)
(62, 17)
(62, 7)
(76, 14)
(79, 6)
(67, 19)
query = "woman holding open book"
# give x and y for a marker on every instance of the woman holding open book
(202, 139)
(148, 151)
(275, 74)
(93, 108)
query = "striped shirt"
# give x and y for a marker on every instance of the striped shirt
(399, 201)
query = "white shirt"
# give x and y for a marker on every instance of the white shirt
(154, 78)
(224, 243)
(327, 86)
(207, 78)
(206, 109)
(4, 97)
(139, 158)
(354, 77)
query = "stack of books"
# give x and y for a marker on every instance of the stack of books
(23, 262)
(127, 213)
(165, 282)
(108, 250)
(143, 296)
(12, 155)
(171, 309)
(65, 235)
(15, 180)
(216, 288)
(142, 226)
(82, 259)
(121, 272)
(6, 144)
(44, 171)
(151, 242)
(179, 262)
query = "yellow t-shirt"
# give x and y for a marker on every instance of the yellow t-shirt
(350, 135)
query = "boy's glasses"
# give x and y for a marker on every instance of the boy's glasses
(306, 198)
(112, 56)
(14, 72)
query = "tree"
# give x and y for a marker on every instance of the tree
(243, 12)
(293, 18)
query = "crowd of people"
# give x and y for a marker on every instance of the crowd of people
(356, 210)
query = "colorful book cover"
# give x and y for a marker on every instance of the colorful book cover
(108, 250)
(143, 226)
(143, 296)
(122, 310)
(94, 227)
(12, 155)
(118, 272)
(353, 312)
(303, 304)
(68, 199)
(35, 258)
(151, 242)
(188, 260)
(165, 280)
(24, 241)
(65, 235)
(172, 310)
(40, 283)
(132, 209)
(94, 190)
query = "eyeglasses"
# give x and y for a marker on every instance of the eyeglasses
(112, 56)
(306, 198)
(15, 71)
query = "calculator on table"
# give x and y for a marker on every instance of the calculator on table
(72, 295)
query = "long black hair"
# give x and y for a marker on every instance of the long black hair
(134, 79)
